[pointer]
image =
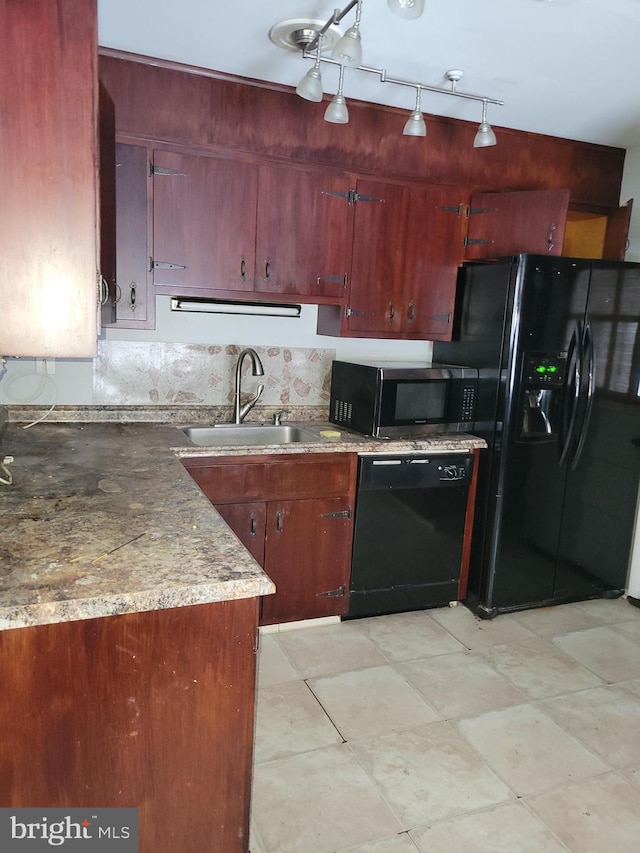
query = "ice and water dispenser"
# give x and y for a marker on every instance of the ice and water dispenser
(542, 390)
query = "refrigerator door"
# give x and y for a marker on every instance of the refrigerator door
(604, 469)
(543, 351)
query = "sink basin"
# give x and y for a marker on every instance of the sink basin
(242, 435)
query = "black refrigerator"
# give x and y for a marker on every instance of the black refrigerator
(558, 346)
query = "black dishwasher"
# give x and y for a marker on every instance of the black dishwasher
(409, 529)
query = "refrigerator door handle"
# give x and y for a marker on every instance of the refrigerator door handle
(575, 359)
(589, 351)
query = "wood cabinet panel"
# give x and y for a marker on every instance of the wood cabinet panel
(298, 475)
(135, 300)
(48, 180)
(147, 710)
(510, 223)
(308, 556)
(253, 115)
(204, 227)
(248, 522)
(304, 230)
(295, 516)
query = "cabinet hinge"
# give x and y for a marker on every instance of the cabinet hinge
(163, 170)
(470, 241)
(164, 265)
(355, 196)
(333, 593)
(441, 318)
(354, 312)
(338, 193)
(345, 513)
(471, 211)
(333, 279)
(457, 208)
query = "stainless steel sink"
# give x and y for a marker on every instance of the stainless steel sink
(241, 435)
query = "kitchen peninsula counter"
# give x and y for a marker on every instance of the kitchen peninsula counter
(102, 519)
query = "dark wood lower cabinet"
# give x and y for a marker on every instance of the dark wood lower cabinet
(294, 514)
(148, 710)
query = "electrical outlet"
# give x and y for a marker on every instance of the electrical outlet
(45, 365)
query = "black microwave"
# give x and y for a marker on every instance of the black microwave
(388, 400)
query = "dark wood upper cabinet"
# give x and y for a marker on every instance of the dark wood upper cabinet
(135, 301)
(48, 179)
(507, 223)
(204, 215)
(304, 228)
(407, 243)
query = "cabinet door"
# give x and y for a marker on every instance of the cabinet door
(107, 148)
(376, 288)
(433, 251)
(247, 520)
(304, 231)
(135, 300)
(48, 188)
(514, 222)
(308, 556)
(204, 224)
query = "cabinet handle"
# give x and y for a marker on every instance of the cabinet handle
(132, 296)
(118, 293)
(104, 290)
(267, 270)
(254, 525)
(411, 312)
(392, 311)
(279, 520)
(243, 268)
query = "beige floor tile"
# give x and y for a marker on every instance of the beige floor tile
(406, 636)
(528, 749)
(606, 720)
(318, 802)
(460, 685)
(630, 630)
(509, 828)
(475, 633)
(255, 845)
(555, 620)
(604, 651)
(632, 774)
(608, 610)
(274, 666)
(396, 844)
(429, 773)
(539, 669)
(289, 720)
(326, 651)
(599, 815)
(371, 702)
(631, 687)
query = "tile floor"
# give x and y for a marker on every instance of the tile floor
(439, 732)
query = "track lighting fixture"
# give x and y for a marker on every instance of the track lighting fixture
(313, 37)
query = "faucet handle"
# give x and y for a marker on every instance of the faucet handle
(277, 418)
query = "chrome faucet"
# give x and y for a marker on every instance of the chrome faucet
(241, 411)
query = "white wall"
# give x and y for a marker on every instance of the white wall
(73, 380)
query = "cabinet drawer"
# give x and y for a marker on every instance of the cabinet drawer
(264, 478)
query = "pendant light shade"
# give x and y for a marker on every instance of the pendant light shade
(337, 112)
(348, 50)
(406, 8)
(310, 87)
(485, 136)
(415, 124)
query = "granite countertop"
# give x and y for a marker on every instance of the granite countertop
(102, 519)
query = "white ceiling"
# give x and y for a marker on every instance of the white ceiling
(567, 68)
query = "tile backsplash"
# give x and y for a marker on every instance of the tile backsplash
(174, 374)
